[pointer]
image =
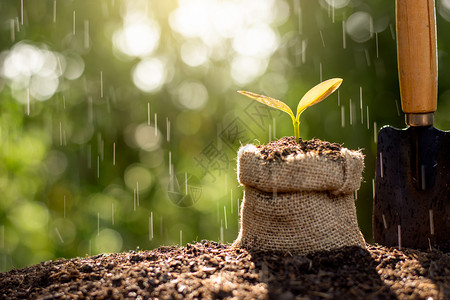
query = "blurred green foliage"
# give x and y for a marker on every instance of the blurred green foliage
(83, 84)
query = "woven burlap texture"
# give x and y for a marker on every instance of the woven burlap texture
(299, 205)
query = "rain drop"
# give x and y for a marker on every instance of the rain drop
(344, 42)
(74, 23)
(112, 213)
(54, 11)
(375, 132)
(431, 222)
(361, 105)
(114, 153)
(59, 235)
(384, 221)
(150, 226)
(86, 36)
(225, 216)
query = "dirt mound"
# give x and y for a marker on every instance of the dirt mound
(211, 270)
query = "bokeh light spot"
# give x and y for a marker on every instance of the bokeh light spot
(30, 216)
(245, 69)
(74, 66)
(138, 176)
(192, 95)
(108, 241)
(149, 75)
(360, 26)
(147, 138)
(139, 35)
(259, 40)
(194, 53)
(338, 3)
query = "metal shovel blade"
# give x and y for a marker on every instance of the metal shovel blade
(412, 188)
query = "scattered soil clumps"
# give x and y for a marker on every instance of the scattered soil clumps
(282, 148)
(209, 270)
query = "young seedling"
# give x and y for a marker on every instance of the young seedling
(313, 96)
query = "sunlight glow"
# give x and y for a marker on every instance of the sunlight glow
(241, 29)
(139, 35)
(338, 3)
(194, 53)
(34, 67)
(149, 75)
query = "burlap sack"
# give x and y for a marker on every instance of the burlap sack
(299, 205)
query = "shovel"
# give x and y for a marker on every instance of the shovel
(412, 189)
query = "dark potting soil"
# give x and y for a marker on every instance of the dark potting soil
(209, 270)
(282, 148)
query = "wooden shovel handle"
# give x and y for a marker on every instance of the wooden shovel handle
(417, 58)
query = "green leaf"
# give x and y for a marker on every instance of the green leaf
(269, 101)
(317, 94)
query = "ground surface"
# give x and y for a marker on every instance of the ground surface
(282, 148)
(211, 270)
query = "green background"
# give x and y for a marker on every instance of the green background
(83, 169)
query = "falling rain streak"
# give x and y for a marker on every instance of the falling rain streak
(60, 134)
(381, 164)
(114, 154)
(373, 188)
(74, 23)
(13, 33)
(342, 116)
(384, 221)
(376, 43)
(150, 226)
(86, 35)
(168, 130)
(303, 51)
(361, 105)
(231, 202)
(397, 107)
(101, 84)
(148, 113)
(137, 193)
(366, 52)
(156, 124)
(323, 42)
(59, 235)
(431, 222)
(98, 166)
(344, 42)
(54, 11)
(21, 12)
(367, 117)
(112, 213)
(225, 216)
